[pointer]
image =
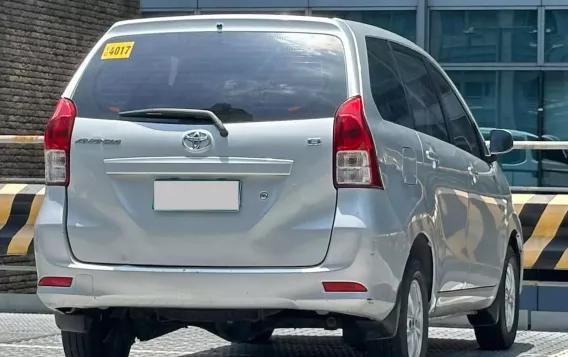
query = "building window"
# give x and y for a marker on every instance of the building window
(556, 36)
(167, 13)
(402, 22)
(556, 104)
(501, 99)
(482, 36)
(252, 11)
(555, 162)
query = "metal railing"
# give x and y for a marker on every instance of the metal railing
(530, 145)
(517, 145)
(538, 145)
(527, 145)
(21, 139)
(541, 145)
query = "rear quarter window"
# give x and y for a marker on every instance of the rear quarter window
(241, 76)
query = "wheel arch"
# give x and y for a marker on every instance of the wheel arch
(516, 236)
(422, 250)
(516, 243)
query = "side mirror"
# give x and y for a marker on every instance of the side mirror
(500, 142)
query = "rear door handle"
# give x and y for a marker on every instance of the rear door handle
(432, 156)
(473, 173)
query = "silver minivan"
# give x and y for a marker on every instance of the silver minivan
(243, 173)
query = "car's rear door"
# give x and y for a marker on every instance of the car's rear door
(170, 190)
(486, 201)
(443, 171)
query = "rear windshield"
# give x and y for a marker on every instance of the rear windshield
(241, 76)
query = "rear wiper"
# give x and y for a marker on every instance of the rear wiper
(177, 113)
(229, 113)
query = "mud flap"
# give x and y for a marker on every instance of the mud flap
(490, 315)
(487, 317)
(376, 330)
(73, 323)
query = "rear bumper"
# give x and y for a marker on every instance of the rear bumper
(206, 289)
(359, 252)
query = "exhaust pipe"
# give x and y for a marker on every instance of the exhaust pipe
(331, 323)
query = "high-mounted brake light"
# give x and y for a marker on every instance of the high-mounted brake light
(57, 143)
(355, 158)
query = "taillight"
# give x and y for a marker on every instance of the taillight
(355, 163)
(57, 143)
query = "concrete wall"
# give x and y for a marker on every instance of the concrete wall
(18, 281)
(41, 43)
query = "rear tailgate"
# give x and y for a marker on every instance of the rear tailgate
(172, 191)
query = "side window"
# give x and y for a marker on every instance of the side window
(463, 132)
(386, 88)
(422, 96)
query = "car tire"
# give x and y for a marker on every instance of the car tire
(243, 333)
(263, 338)
(354, 338)
(413, 320)
(115, 341)
(501, 335)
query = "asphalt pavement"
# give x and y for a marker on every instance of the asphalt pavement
(31, 335)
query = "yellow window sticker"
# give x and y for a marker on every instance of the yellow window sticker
(117, 50)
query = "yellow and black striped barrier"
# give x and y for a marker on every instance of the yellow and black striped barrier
(19, 206)
(544, 219)
(545, 229)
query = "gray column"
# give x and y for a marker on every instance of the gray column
(421, 23)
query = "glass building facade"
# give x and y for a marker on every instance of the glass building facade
(508, 58)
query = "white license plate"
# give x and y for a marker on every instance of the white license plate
(219, 196)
